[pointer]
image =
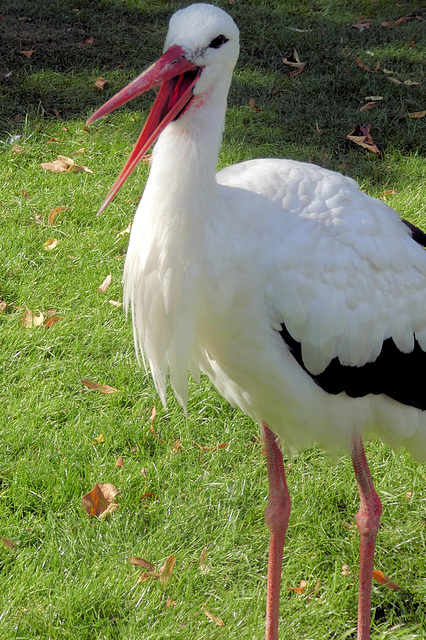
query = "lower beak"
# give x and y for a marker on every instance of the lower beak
(177, 77)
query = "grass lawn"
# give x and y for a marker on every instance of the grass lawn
(62, 574)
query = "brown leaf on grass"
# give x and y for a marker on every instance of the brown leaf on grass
(85, 43)
(31, 319)
(120, 462)
(28, 54)
(17, 149)
(365, 67)
(146, 575)
(385, 581)
(100, 84)
(417, 114)
(294, 62)
(122, 234)
(79, 151)
(99, 440)
(105, 284)
(346, 570)
(115, 303)
(153, 414)
(251, 103)
(203, 561)
(148, 495)
(102, 388)
(218, 621)
(176, 446)
(388, 192)
(361, 136)
(49, 322)
(368, 106)
(400, 21)
(215, 448)
(100, 501)
(3, 305)
(166, 570)
(295, 72)
(300, 589)
(64, 164)
(7, 543)
(362, 26)
(141, 562)
(56, 211)
(50, 244)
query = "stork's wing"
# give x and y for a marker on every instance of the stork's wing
(347, 281)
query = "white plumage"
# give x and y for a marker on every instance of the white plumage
(219, 265)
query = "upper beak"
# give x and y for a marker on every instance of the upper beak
(177, 77)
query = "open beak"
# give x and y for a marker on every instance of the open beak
(177, 78)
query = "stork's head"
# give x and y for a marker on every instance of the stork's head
(201, 49)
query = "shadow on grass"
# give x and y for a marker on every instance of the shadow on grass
(314, 110)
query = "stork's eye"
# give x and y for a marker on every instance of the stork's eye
(218, 42)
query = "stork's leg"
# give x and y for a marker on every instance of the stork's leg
(367, 520)
(276, 516)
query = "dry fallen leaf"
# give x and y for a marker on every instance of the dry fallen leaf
(100, 83)
(153, 414)
(105, 284)
(203, 561)
(346, 570)
(7, 543)
(99, 440)
(86, 42)
(31, 319)
(64, 164)
(365, 67)
(166, 570)
(50, 244)
(368, 106)
(54, 213)
(215, 448)
(102, 388)
(176, 446)
(100, 501)
(3, 305)
(251, 103)
(28, 54)
(146, 575)
(362, 26)
(417, 114)
(115, 303)
(300, 589)
(140, 562)
(361, 136)
(120, 462)
(294, 61)
(218, 621)
(125, 231)
(385, 581)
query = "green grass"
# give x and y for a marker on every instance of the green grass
(68, 576)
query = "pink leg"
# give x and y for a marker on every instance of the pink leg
(367, 520)
(276, 516)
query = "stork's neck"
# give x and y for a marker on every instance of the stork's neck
(185, 157)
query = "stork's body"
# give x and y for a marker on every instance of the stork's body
(292, 290)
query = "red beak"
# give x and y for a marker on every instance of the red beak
(177, 77)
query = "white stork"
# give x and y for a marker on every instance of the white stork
(300, 297)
